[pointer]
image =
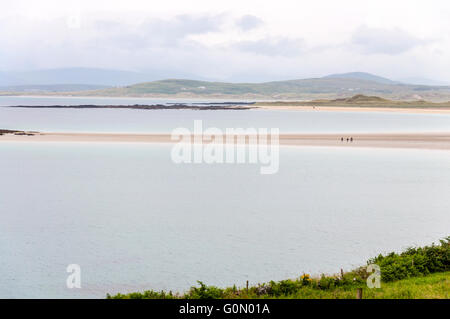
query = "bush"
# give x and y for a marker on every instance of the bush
(149, 294)
(204, 292)
(414, 261)
(325, 282)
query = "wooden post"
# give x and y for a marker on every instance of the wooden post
(342, 274)
(359, 293)
(247, 286)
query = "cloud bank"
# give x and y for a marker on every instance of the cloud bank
(251, 42)
(385, 41)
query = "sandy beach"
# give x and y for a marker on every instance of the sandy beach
(356, 109)
(380, 140)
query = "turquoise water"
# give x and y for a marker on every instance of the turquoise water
(134, 220)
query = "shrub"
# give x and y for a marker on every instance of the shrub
(414, 261)
(204, 292)
(149, 294)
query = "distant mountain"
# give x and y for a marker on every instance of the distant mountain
(329, 87)
(362, 76)
(88, 76)
(84, 76)
(7, 79)
(423, 81)
(51, 88)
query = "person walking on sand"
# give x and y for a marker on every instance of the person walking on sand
(351, 139)
(342, 139)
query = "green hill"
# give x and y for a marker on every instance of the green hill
(362, 76)
(330, 87)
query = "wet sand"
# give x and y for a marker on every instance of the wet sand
(380, 140)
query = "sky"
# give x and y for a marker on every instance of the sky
(230, 40)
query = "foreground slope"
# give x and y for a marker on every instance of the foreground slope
(422, 272)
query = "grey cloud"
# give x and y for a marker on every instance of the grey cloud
(155, 33)
(273, 46)
(249, 22)
(385, 41)
(184, 25)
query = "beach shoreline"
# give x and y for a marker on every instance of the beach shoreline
(377, 109)
(439, 141)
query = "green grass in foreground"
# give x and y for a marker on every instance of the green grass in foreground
(434, 286)
(416, 273)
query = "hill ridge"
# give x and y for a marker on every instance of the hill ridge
(298, 89)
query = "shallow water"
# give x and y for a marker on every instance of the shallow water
(134, 220)
(164, 121)
(64, 100)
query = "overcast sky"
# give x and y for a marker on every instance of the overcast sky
(230, 40)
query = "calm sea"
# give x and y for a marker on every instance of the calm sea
(151, 121)
(134, 220)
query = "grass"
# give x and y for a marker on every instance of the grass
(434, 286)
(418, 272)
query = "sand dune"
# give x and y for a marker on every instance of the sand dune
(356, 109)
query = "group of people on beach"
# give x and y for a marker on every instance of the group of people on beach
(349, 139)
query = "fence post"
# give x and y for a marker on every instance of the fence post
(359, 293)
